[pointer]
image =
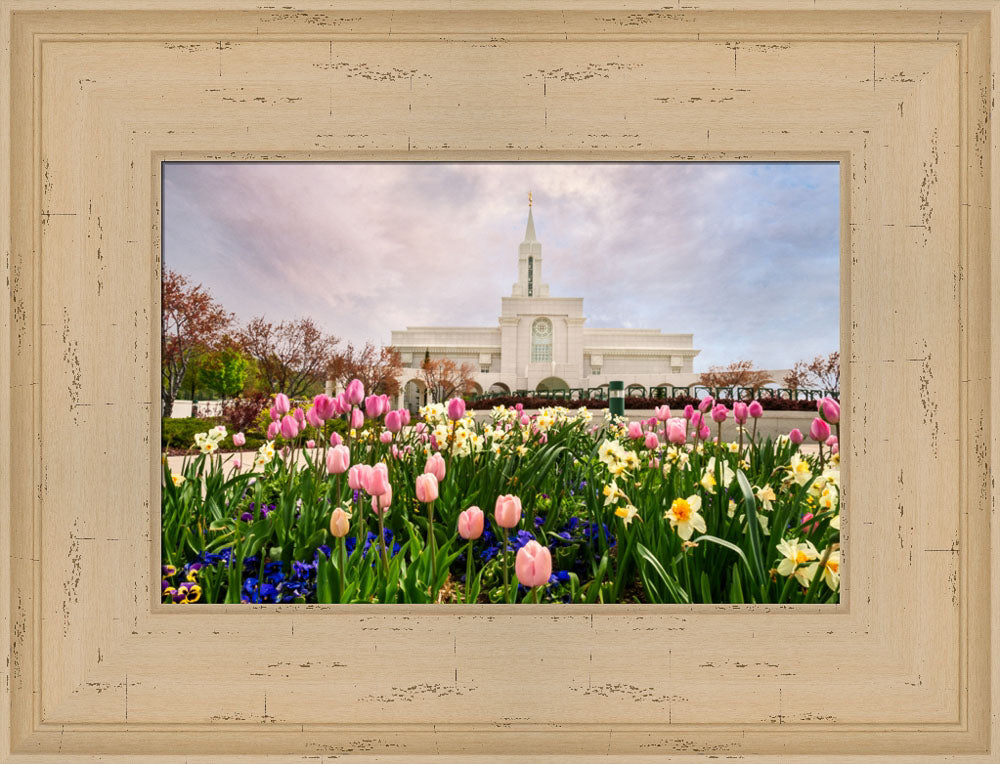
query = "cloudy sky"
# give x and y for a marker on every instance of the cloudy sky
(745, 256)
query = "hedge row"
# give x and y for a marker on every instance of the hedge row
(677, 403)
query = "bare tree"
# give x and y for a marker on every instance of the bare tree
(445, 378)
(736, 374)
(377, 368)
(291, 356)
(191, 322)
(822, 372)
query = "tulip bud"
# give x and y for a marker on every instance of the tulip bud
(796, 436)
(335, 439)
(652, 441)
(339, 523)
(635, 430)
(819, 430)
(829, 409)
(338, 459)
(385, 438)
(533, 564)
(382, 501)
(310, 443)
(313, 418)
(393, 421)
(275, 416)
(470, 523)
(373, 405)
(755, 409)
(456, 409)
(427, 487)
(662, 413)
(282, 404)
(706, 403)
(357, 419)
(704, 432)
(740, 412)
(525, 420)
(355, 392)
(688, 411)
(289, 427)
(300, 416)
(435, 466)
(507, 511)
(720, 412)
(272, 430)
(404, 414)
(324, 406)
(676, 431)
(357, 476)
(239, 439)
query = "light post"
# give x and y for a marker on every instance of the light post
(616, 398)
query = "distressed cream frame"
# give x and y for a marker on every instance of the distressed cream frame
(100, 92)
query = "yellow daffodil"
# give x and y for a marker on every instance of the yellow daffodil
(177, 478)
(627, 513)
(684, 516)
(801, 472)
(831, 571)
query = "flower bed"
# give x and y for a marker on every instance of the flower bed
(631, 402)
(552, 507)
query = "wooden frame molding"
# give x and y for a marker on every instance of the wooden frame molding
(100, 93)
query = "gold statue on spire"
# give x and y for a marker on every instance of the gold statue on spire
(529, 198)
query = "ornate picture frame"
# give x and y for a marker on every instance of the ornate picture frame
(99, 94)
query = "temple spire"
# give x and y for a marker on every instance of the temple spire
(529, 233)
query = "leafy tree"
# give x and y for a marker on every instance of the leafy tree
(291, 356)
(224, 371)
(445, 378)
(191, 321)
(736, 374)
(377, 368)
(823, 372)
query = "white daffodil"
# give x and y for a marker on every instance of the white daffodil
(177, 478)
(627, 513)
(612, 493)
(795, 556)
(831, 571)
(684, 516)
(800, 470)
(765, 497)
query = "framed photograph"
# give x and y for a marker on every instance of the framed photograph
(677, 320)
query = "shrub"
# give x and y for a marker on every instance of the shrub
(180, 432)
(240, 414)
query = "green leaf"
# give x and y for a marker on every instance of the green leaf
(753, 528)
(675, 589)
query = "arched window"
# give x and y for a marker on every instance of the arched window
(541, 340)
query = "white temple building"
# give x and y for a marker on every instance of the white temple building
(540, 343)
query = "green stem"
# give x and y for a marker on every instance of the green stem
(432, 543)
(468, 571)
(506, 579)
(342, 549)
(381, 536)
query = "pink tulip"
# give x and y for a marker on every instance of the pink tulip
(404, 414)
(654, 463)
(456, 409)
(324, 406)
(829, 409)
(695, 420)
(385, 438)
(239, 439)
(543, 438)
(519, 407)
(688, 411)
(740, 412)
(806, 518)
(376, 481)
(427, 487)
(470, 523)
(313, 418)
(704, 432)
(652, 441)
(340, 523)
(819, 430)
(796, 436)
(533, 564)
(755, 409)
(393, 421)
(395, 452)
(720, 412)
(357, 419)
(676, 431)
(419, 427)
(281, 404)
(335, 439)
(662, 413)
(272, 430)
(340, 405)
(635, 430)
(338, 459)
(357, 476)
(384, 408)
(355, 392)
(300, 417)
(525, 420)
(275, 416)
(507, 511)
(435, 466)
(310, 443)
(835, 448)
(373, 406)
(383, 501)
(289, 427)
(706, 403)
(831, 441)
